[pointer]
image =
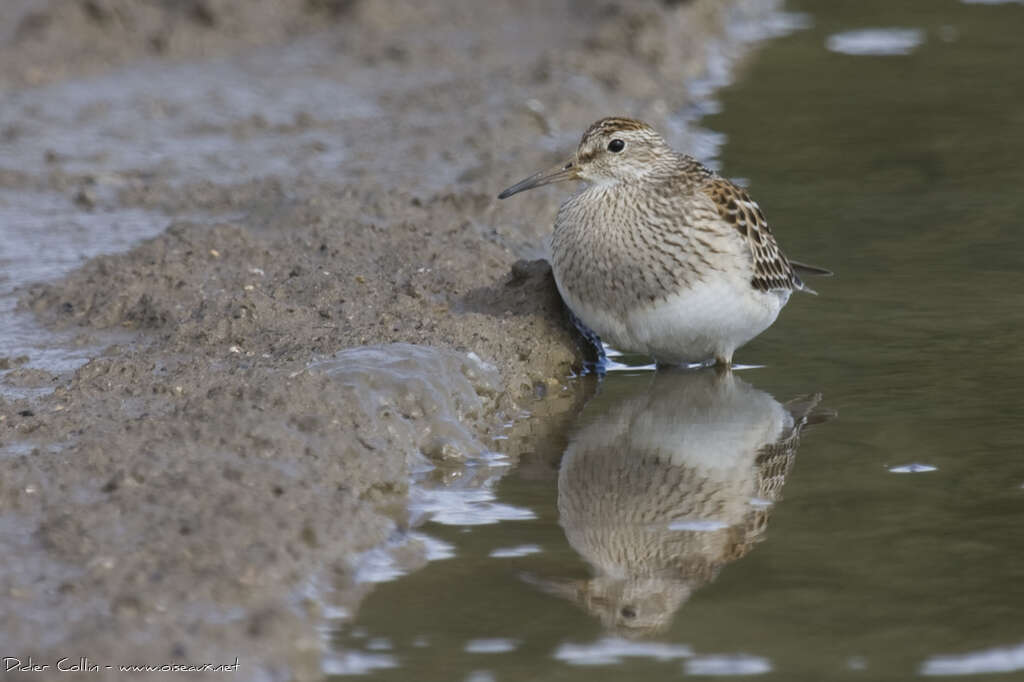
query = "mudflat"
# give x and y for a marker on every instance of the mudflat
(321, 294)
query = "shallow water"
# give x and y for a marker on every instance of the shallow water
(884, 142)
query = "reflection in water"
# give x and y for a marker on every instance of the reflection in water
(668, 483)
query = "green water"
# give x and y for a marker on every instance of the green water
(904, 175)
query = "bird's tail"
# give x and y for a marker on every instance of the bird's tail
(805, 269)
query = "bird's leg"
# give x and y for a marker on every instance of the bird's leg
(723, 366)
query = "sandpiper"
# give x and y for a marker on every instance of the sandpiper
(658, 254)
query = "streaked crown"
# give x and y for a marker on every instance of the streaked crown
(619, 148)
(614, 124)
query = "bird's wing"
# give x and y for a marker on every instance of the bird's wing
(772, 270)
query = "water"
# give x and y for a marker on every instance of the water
(884, 142)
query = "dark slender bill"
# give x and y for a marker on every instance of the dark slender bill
(545, 177)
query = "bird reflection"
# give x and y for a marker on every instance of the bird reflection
(667, 480)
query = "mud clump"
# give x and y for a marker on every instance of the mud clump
(329, 299)
(425, 396)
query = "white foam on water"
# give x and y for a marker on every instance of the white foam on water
(379, 564)
(331, 612)
(436, 549)
(494, 645)
(912, 468)
(512, 552)
(481, 676)
(465, 507)
(612, 651)
(357, 663)
(997, 660)
(728, 664)
(876, 42)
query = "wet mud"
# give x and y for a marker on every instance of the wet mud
(327, 299)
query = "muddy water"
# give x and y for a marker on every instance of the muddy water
(698, 525)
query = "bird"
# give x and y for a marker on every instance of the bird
(658, 254)
(666, 481)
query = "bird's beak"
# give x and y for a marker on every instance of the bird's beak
(564, 171)
(572, 590)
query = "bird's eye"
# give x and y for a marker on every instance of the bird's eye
(628, 611)
(616, 145)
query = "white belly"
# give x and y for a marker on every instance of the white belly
(707, 322)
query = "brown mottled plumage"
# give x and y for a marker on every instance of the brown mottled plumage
(663, 487)
(772, 269)
(659, 254)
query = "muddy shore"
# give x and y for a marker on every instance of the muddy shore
(333, 297)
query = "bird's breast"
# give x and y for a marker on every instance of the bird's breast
(629, 246)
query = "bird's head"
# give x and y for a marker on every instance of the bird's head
(632, 607)
(612, 150)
